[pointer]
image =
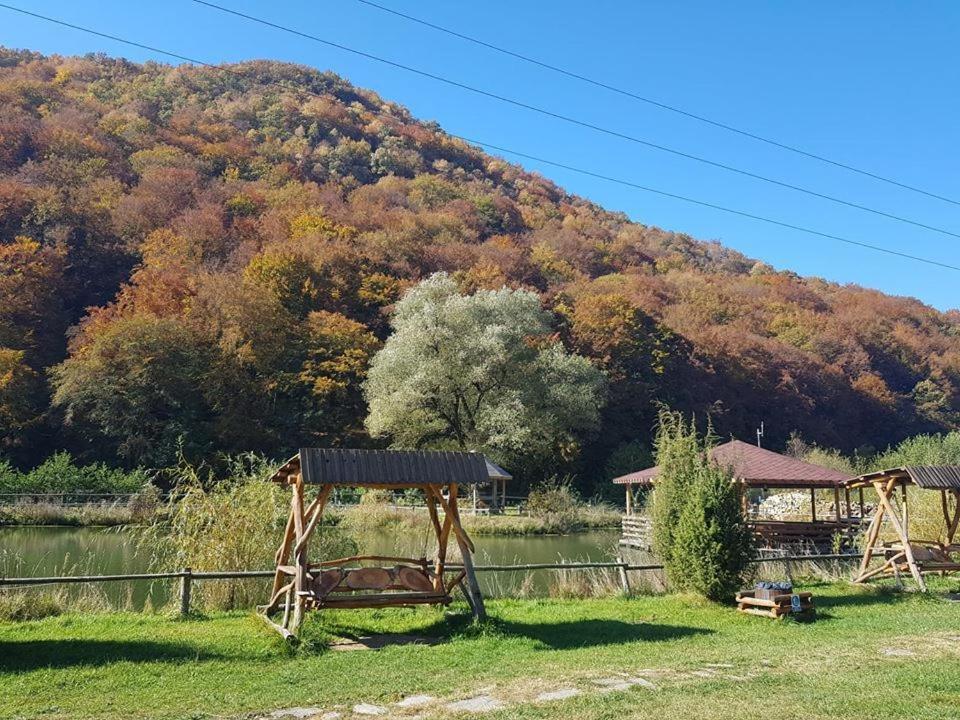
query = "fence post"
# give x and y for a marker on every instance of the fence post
(185, 582)
(624, 580)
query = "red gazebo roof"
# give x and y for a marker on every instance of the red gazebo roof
(756, 467)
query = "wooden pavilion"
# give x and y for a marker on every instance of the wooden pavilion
(300, 585)
(906, 553)
(761, 469)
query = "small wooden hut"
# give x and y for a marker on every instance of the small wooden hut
(301, 584)
(908, 553)
(761, 469)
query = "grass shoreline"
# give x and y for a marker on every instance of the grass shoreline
(707, 661)
(359, 517)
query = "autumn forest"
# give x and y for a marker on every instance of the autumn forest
(197, 261)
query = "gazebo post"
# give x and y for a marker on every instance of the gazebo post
(813, 505)
(836, 503)
(629, 499)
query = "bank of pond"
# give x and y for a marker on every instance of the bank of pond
(48, 551)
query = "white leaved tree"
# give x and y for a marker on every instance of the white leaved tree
(479, 372)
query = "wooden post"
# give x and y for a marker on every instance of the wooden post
(836, 502)
(629, 499)
(846, 497)
(185, 583)
(813, 505)
(906, 510)
(472, 586)
(300, 557)
(493, 496)
(862, 505)
(624, 580)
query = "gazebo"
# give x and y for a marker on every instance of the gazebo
(908, 553)
(761, 469)
(300, 585)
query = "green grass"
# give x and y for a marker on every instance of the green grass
(153, 666)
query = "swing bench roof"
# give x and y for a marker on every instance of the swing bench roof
(755, 467)
(928, 477)
(388, 468)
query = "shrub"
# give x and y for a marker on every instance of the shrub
(713, 542)
(59, 474)
(678, 451)
(699, 528)
(553, 497)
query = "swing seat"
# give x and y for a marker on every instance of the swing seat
(347, 584)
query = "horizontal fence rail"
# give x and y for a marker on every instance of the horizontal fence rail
(187, 575)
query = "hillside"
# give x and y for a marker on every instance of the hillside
(212, 255)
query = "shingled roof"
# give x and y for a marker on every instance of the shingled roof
(929, 477)
(388, 468)
(757, 467)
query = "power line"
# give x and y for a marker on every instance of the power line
(703, 203)
(499, 148)
(574, 121)
(657, 103)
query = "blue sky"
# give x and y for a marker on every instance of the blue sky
(870, 83)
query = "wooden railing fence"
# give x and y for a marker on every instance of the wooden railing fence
(188, 576)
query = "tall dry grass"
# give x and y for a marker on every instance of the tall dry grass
(234, 523)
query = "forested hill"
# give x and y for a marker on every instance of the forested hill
(209, 257)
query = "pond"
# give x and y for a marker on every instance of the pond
(40, 551)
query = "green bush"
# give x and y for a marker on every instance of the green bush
(59, 474)
(700, 530)
(553, 497)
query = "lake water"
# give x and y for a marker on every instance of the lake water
(39, 551)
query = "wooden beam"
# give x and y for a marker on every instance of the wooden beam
(314, 512)
(438, 531)
(901, 532)
(873, 531)
(466, 548)
(300, 558)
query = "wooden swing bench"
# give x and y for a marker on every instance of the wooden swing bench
(907, 554)
(351, 582)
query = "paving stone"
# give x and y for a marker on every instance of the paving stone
(367, 709)
(644, 683)
(478, 704)
(416, 701)
(612, 684)
(561, 694)
(296, 712)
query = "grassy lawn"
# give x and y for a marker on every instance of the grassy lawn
(872, 654)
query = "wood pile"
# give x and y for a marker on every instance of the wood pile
(777, 606)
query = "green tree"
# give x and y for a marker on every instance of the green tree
(140, 382)
(699, 527)
(479, 372)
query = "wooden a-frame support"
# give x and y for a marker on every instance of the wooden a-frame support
(897, 555)
(293, 589)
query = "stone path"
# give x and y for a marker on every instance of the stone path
(490, 699)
